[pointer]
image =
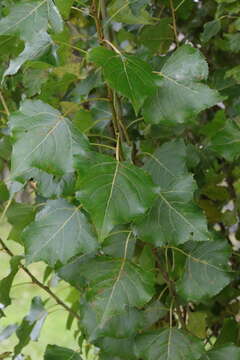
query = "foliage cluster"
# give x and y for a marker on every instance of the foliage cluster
(119, 157)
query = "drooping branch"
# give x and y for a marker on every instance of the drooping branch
(40, 284)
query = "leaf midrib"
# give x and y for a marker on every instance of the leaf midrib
(55, 233)
(38, 145)
(25, 17)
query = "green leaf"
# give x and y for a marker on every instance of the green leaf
(114, 245)
(197, 324)
(131, 12)
(168, 344)
(6, 283)
(206, 270)
(33, 79)
(222, 353)
(113, 284)
(33, 50)
(54, 352)
(59, 232)
(19, 215)
(174, 217)
(210, 29)
(4, 193)
(127, 74)
(85, 86)
(153, 312)
(105, 356)
(112, 192)
(54, 17)
(83, 120)
(31, 325)
(137, 5)
(157, 37)
(64, 7)
(180, 95)
(120, 326)
(229, 332)
(226, 140)
(117, 347)
(234, 73)
(233, 42)
(147, 259)
(43, 139)
(34, 15)
(121, 283)
(22, 17)
(212, 127)
(72, 272)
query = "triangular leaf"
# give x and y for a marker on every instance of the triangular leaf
(174, 217)
(127, 74)
(206, 270)
(118, 283)
(59, 232)
(43, 139)
(180, 95)
(113, 192)
(168, 344)
(113, 284)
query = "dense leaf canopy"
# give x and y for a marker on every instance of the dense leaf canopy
(119, 173)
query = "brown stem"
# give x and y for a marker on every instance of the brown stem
(41, 285)
(95, 15)
(99, 13)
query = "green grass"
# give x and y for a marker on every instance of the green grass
(53, 331)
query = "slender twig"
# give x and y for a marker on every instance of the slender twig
(172, 291)
(118, 148)
(134, 122)
(80, 10)
(71, 46)
(4, 104)
(39, 284)
(104, 145)
(6, 209)
(93, 99)
(99, 13)
(99, 28)
(174, 21)
(179, 5)
(102, 137)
